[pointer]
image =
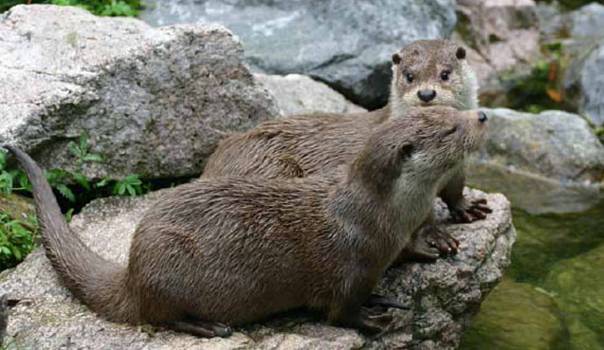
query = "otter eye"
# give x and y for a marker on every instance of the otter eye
(409, 77)
(444, 75)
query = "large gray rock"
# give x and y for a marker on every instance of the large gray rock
(347, 44)
(583, 23)
(587, 21)
(549, 162)
(442, 296)
(299, 94)
(592, 86)
(153, 101)
(581, 35)
(503, 36)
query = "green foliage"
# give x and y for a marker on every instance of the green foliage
(130, 185)
(129, 8)
(542, 88)
(17, 239)
(11, 180)
(16, 236)
(81, 151)
(600, 133)
(6, 4)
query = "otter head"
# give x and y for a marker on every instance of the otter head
(432, 73)
(419, 148)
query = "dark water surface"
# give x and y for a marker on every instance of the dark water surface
(552, 296)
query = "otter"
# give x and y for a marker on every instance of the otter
(425, 73)
(222, 252)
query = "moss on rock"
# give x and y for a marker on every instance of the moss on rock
(515, 316)
(579, 285)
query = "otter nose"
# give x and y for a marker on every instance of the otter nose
(482, 117)
(426, 95)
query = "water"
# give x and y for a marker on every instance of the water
(552, 296)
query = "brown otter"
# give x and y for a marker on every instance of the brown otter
(235, 250)
(425, 73)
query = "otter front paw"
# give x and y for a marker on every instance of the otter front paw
(442, 241)
(469, 211)
(429, 244)
(373, 323)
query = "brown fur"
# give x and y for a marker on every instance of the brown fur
(323, 141)
(237, 250)
(426, 61)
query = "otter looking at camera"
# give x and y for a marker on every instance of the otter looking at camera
(425, 73)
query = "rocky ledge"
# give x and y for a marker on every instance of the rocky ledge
(442, 296)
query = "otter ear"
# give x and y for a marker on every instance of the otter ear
(396, 58)
(460, 53)
(405, 151)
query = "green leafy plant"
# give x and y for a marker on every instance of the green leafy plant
(542, 89)
(17, 239)
(11, 180)
(131, 185)
(81, 151)
(129, 8)
(6, 178)
(58, 179)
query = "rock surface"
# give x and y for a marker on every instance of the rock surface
(549, 162)
(583, 23)
(592, 86)
(587, 21)
(442, 296)
(299, 94)
(153, 101)
(503, 36)
(580, 35)
(347, 44)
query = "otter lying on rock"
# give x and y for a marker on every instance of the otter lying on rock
(233, 250)
(425, 73)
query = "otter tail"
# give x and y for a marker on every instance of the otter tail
(98, 283)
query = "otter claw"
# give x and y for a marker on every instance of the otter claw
(379, 300)
(470, 212)
(368, 323)
(429, 244)
(444, 242)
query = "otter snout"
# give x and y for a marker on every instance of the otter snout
(426, 95)
(475, 129)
